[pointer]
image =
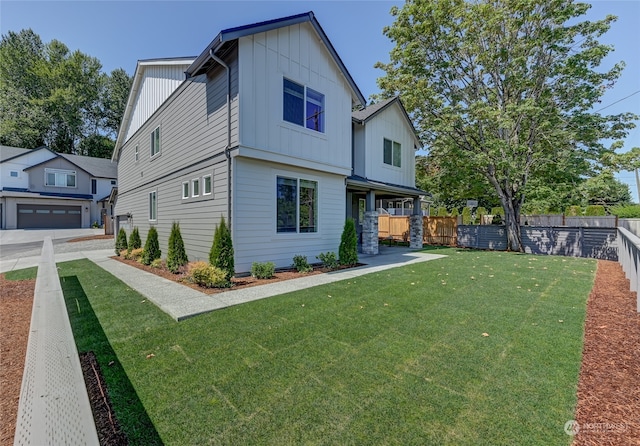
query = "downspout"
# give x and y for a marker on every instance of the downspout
(227, 149)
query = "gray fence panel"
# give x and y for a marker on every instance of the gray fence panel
(492, 237)
(630, 224)
(468, 235)
(600, 243)
(608, 221)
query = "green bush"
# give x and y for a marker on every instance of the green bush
(328, 259)
(176, 254)
(466, 215)
(263, 270)
(455, 212)
(134, 239)
(573, 211)
(497, 210)
(208, 276)
(442, 212)
(151, 247)
(595, 210)
(221, 254)
(626, 211)
(479, 213)
(348, 249)
(301, 265)
(121, 241)
(157, 263)
(133, 254)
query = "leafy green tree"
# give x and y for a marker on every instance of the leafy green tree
(595, 210)
(221, 253)
(505, 87)
(466, 215)
(603, 189)
(121, 241)
(442, 211)
(348, 249)
(176, 254)
(151, 250)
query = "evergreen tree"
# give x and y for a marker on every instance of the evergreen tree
(348, 250)
(151, 247)
(121, 241)
(134, 240)
(176, 254)
(221, 254)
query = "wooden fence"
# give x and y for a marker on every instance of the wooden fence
(435, 230)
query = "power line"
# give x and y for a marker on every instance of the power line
(619, 100)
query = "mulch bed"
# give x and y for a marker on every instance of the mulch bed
(90, 237)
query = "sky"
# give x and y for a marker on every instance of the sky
(119, 33)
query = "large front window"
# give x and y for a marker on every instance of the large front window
(60, 178)
(303, 106)
(392, 153)
(297, 205)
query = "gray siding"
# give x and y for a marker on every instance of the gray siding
(36, 178)
(599, 243)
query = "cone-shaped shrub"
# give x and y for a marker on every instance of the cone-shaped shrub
(221, 254)
(121, 241)
(442, 211)
(348, 250)
(151, 247)
(134, 240)
(176, 255)
(466, 215)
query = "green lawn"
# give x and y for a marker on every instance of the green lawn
(396, 357)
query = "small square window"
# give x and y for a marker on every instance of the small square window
(14, 173)
(195, 187)
(206, 186)
(185, 190)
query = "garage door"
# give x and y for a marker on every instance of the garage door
(49, 216)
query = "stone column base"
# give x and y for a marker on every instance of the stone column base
(370, 233)
(415, 231)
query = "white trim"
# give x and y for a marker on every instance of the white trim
(194, 192)
(153, 155)
(204, 182)
(149, 214)
(185, 183)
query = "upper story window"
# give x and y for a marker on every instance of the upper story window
(94, 186)
(155, 142)
(392, 153)
(195, 187)
(136, 154)
(206, 185)
(185, 190)
(60, 178)
(303, 106)
(13, 174)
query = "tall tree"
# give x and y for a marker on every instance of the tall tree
(505, 86)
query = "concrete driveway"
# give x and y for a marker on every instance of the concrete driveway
(19, 236)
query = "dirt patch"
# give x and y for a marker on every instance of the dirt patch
(91, 237)
(16, 300)
(608, 410)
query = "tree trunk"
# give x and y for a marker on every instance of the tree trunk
(512, 226)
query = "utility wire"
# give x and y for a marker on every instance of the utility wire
(619, 100)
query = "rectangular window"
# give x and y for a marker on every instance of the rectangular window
(60, 178)
(94, 186)
(155, 142)
(206, 184)
(153, 206)
(392, 153)
(113, 182)
(303, 106)
(195, 187)
(14, 173)
(185, 190)
(296, 207)
(136, 154)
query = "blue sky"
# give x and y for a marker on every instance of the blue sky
(119, 33)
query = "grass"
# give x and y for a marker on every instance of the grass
(22, 274)
(395, 357)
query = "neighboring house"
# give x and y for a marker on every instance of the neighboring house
(260, 131)
(40, 188)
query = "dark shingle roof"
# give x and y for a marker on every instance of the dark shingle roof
(97, 167)
(369, 111)
(6, 152)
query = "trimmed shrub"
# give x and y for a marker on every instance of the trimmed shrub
(221, 254)
(348, 249)
(157, 263)
(121, 241)
(479, 213)
(134, 240)
(442, 212)
(151, 247)
(595, 210)
(301, 265)
(263, 270)
(626, 211)
(466, 215)
(133, 254)
(573, 211)
(454, 212)
(176, 255)
(328, 259)
(208, 276)
(497, 210)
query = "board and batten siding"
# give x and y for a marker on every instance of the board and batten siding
(390, 124)
(295, 53)
(157, 84)
(254, 224)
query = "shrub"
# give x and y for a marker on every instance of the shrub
(497, 210)
(134, 239)
(134, 254)
(479, 213)
(221, 254)
(176, 255)
(626, 211)
(466, 216)
(328, 259)
(301, 265)
(573, 211)
(151, 247)
(595, 210)
(121, 241)
(263, 270)
(157, 263)
(348, 249)
(455, 212)
(206, 275)
(442, 211)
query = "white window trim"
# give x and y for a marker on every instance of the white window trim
(17, 174)
(392, 157)
(60, 171)
(304, 115)
(188, 188)
(155, 193)
(137, 154)
(204, 181)
(298, 177)
(195, 193)
(153, 155)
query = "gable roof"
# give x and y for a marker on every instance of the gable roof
(96, 167)
(204, 60)
(8, 153)
(366, 114)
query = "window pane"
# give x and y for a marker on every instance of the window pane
(196, 188)
(207, 185)
(71, 180)
(293, 102)
(51, 179)
(397, 156)
(155, 141)
(315, 110)
(308, 206)
(287, 200)
(185, 190)
(387, 155)
(152, 206)
(94, 186)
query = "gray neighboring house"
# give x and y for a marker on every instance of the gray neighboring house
(40, 188)
(259, 129)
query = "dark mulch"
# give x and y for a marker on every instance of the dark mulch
(608, 410)
(90, 237)
(107, 425)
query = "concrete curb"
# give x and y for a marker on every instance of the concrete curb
(54, 406)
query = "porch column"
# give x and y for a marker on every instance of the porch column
(416, 226)
(370, 226)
